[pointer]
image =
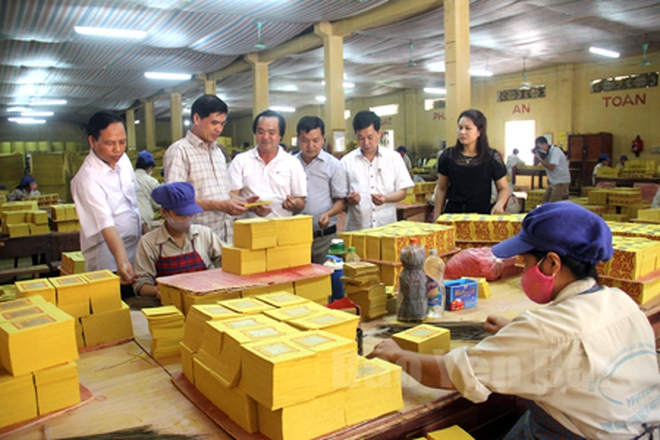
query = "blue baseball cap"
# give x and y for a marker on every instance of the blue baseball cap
(562, 227)
(623, 157)
(604, 156)
(178, 197)
(145, 159)
(25, 181)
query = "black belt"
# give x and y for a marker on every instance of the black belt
(326, 231)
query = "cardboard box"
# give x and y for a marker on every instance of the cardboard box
(461, 294)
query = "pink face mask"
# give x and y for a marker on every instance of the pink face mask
(537, 285)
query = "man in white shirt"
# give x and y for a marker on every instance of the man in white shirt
(513, 161)
(105, 193)
(556, 165)
(377, 177)
(267, 172)
(326, 184)
(199, 160)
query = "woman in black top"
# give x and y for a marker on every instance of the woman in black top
(465, 171)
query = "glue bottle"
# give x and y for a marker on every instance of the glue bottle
(434, 268)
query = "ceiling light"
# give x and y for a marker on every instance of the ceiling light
(47, 101)
(17, 109)
(480, 72)
(289, 88)
(435, 90)
(107, 32)
(186, 122)
(604, 52)
(320, 98)
(40, 114)
(165, 75)
(436, 67)
(27, 120)
(137, 121)
(283, 109)
(347, 85)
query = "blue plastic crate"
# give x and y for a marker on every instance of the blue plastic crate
(461, 294)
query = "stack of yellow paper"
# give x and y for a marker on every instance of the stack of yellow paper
(32, 341)
(317, 289)
(196, 320)
(337, 358)
(333, 321)
(18, 401)
(113, 325)
(255, 233)
(57, 387)
(243, 261)
(188, 299)
(278, 373)
(452, 433)
(246, 306)
(359, 269)
(232, 339)
(371, 299)
(304, 420)
(73, 262)
(484, 287)
(281, 299)
(241, 408)
(104, 288)
(376, 391)
(166, 328)
(294, 230)
(286, 314)
(72, 294)
(36, 287)
(292, 255)
(271, 288)
(425, 339)
(209, 351)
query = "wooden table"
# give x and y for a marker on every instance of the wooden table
(538, 172)
(624, 181)
(414, 212)
(43, 248)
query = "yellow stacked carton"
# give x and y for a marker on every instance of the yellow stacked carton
(73, 262)
(534, 198)
(65, 217)
(262, 245)
(17, 217)
(425, 339)
(166, 328)
(42, 287)
(480, 229)
(362, 285)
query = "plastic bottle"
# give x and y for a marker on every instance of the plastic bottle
(352, 256)
(412, 302)
(434, 268)
(335, 263)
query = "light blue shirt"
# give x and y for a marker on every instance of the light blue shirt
(326, 180)
(560, 174)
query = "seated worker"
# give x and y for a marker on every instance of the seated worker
(177, 246)
(586, 362)
(622, 161)
(26, 188)
(144, 167)
(603, 161)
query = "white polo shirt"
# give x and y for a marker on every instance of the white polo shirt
(384, 175)
(105, 197)
(282, 176)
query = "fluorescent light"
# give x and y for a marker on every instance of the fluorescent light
(347, 114)
(480, 72)
(107, 32)
(27, 120)
(283, 109)
(435, 90)
(347, 85)
(320, 98)
(41, 114)
(17, 109)
(289, 88)
(137, 121)
(436, 67)
(186, 122)
(165, 75)
(47, 101)
(604, 52)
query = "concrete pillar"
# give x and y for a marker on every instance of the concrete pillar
(259, 83)
(333, 60)
(176, 116)
(150, 125)
(209, 87)
(566, 83)
(131, 140)
(457, 61)
(412, 109)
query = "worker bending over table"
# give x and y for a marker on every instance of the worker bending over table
(586, 362)
(177, 246)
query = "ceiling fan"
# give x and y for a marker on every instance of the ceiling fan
(525, 85)
(410, 62)
(645, 61)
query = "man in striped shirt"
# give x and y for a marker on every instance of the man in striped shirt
(199, 160)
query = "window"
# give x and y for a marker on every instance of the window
(347, 114)
(520, 135)
(430, 104)
(386, 110)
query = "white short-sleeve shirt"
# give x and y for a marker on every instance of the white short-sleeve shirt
(105, 197)
(385, 174)
(282, 176)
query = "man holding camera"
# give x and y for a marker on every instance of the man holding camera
(556, 167)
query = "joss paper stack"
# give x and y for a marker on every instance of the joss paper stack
(363, 287)
(281, 299)
(425, 339)
(166, 328)
(333, 321)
